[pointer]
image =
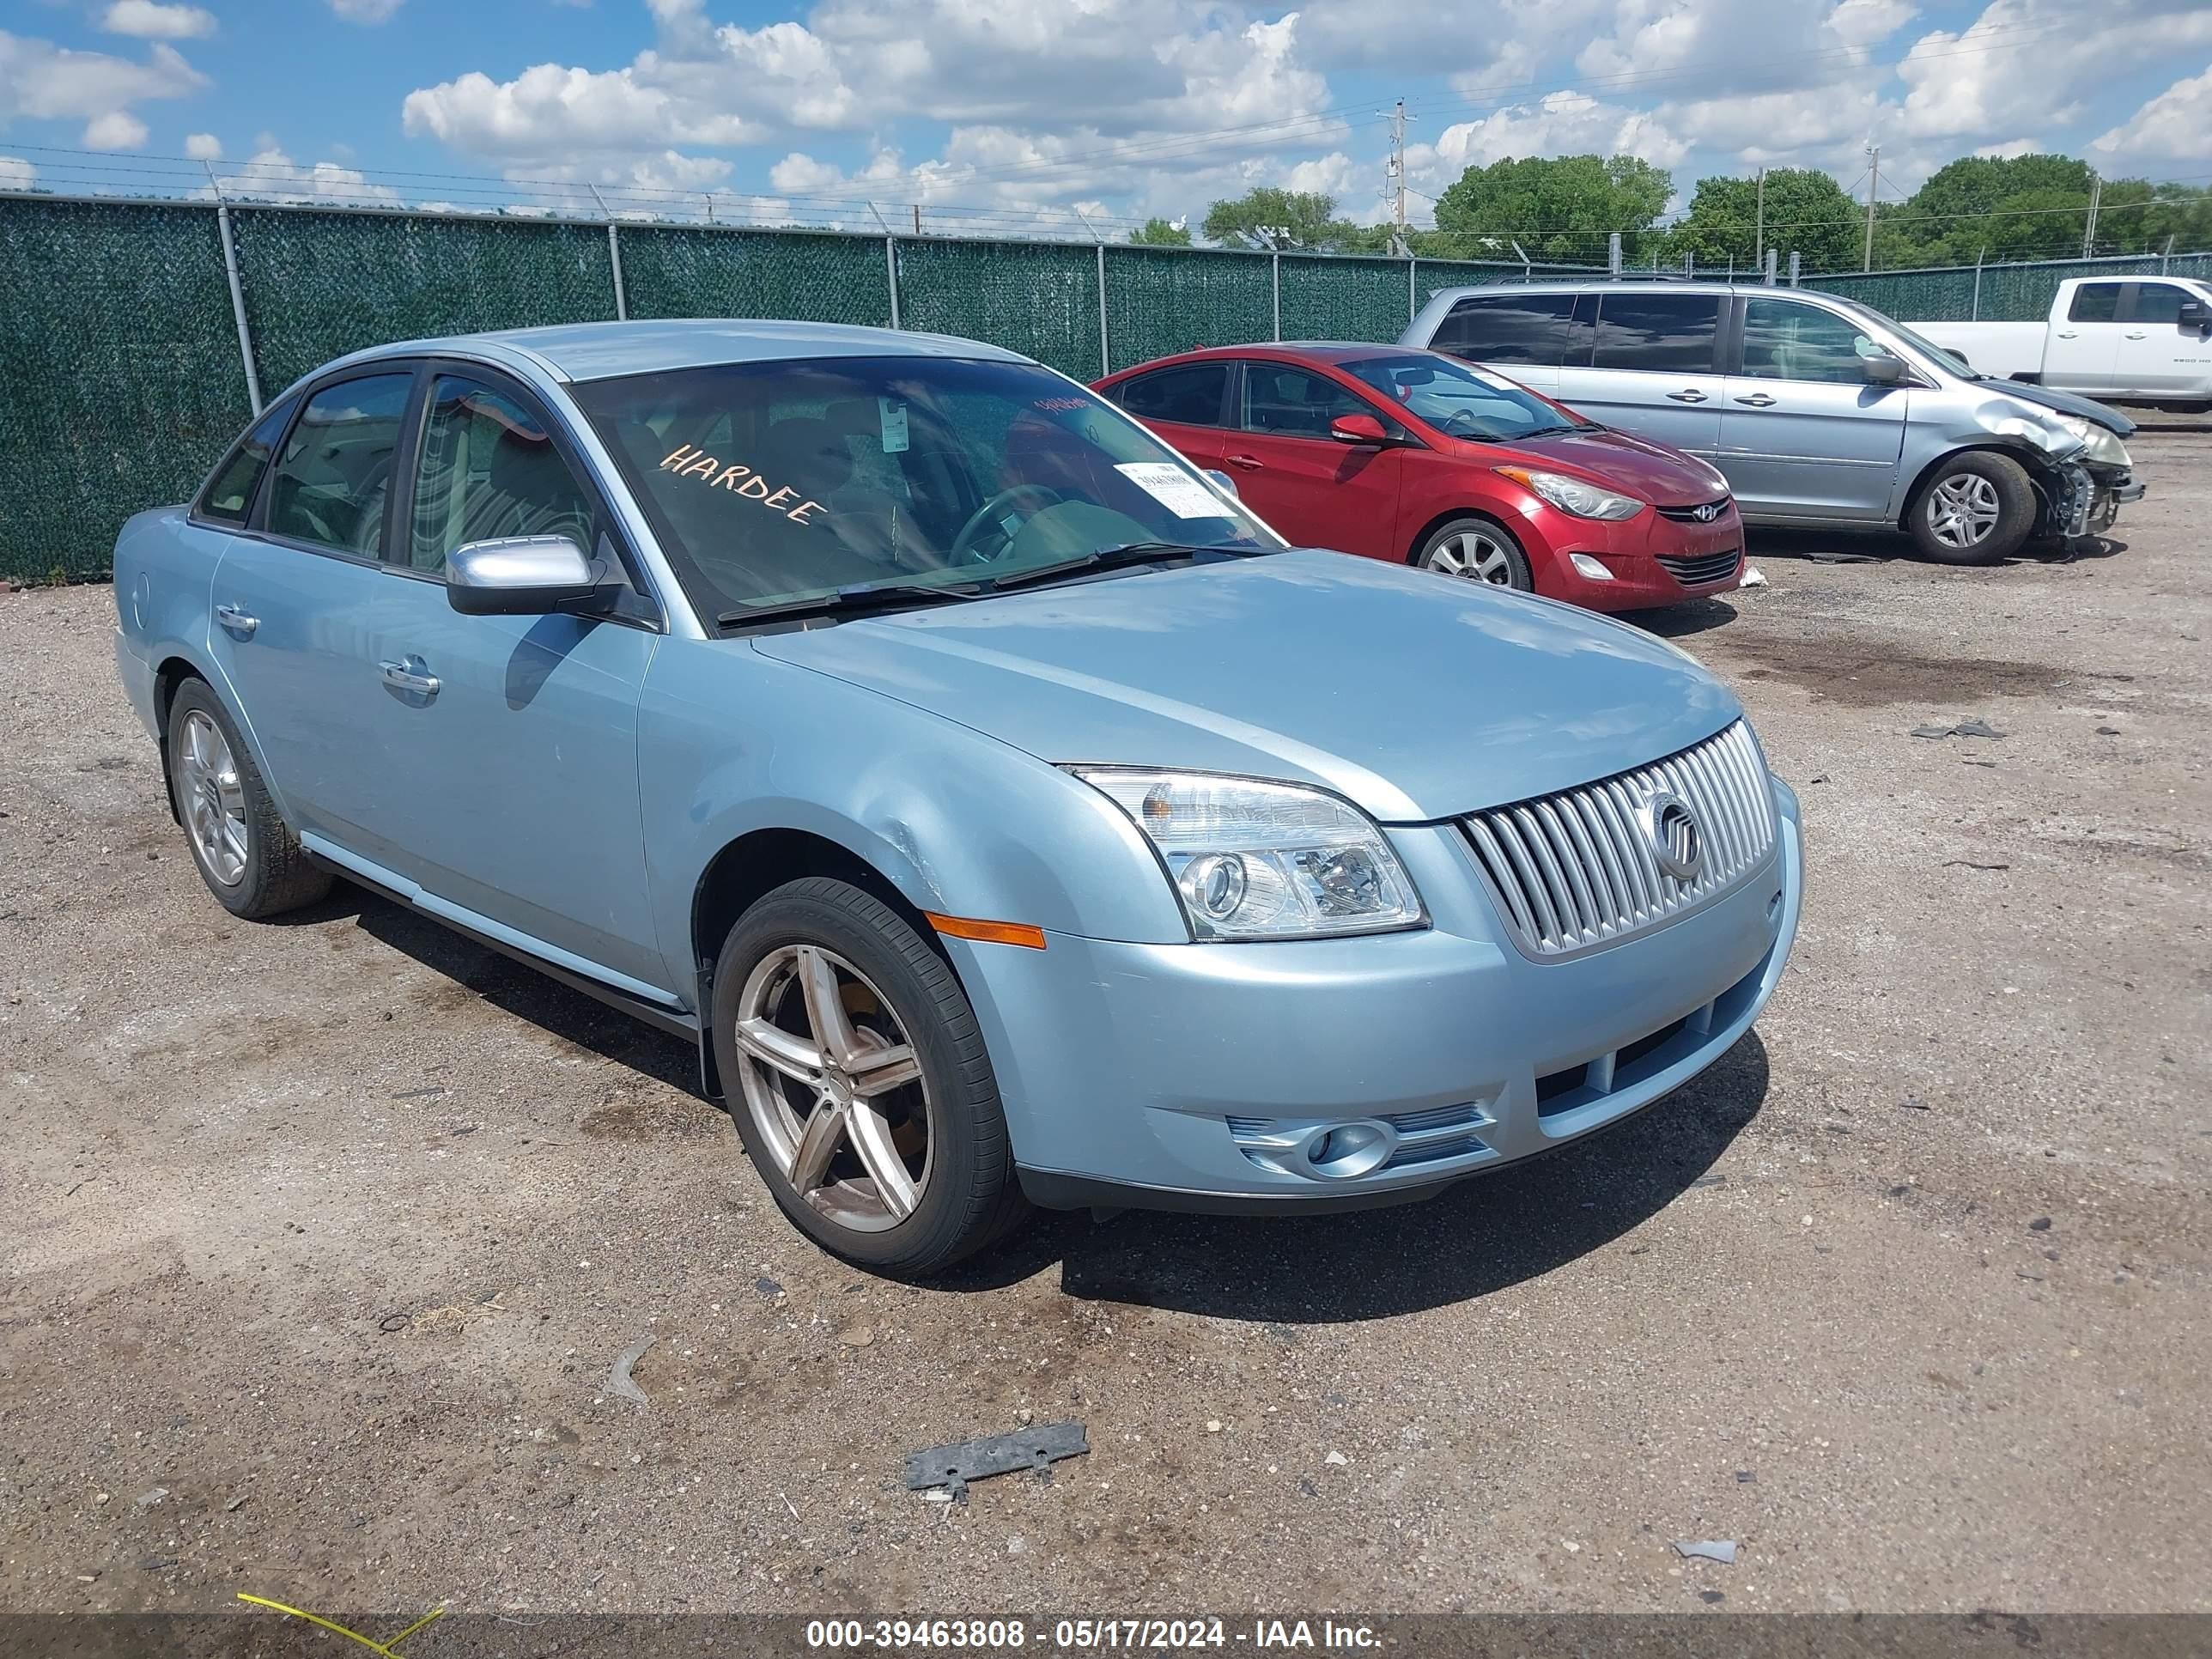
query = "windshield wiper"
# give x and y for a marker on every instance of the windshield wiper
(863, 596)
(1106, 558)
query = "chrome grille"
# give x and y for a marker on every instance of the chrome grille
(1704, 567)
(1700, 513)
(1578, 870)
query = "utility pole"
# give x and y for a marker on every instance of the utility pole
(2089, 230)
(1874, 183)
(1758, 236)
(1398, 169)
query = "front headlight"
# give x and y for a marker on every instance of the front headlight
(1584, 500)
(2099, 443)
(1253, 861)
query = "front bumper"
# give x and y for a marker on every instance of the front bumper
(2087, 499)
(1633, 552)
(1202, 1077)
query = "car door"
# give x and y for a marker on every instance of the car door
(1314, 490)
(1652, 368)
(516, 736)
(1803, 432)
(1186, 403)
(1523, 334)
(2083, 350)
(293, 599)
(2156, 352)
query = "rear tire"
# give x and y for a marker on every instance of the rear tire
(1979, 508)
(911, 1169)
(1478, 551)
(243, 850)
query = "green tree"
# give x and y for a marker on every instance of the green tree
(1998, 207)
(1558, 209)
(1160, 232)
(1284, 218)
(1807, 212)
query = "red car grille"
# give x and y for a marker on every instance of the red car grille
(1696, 571)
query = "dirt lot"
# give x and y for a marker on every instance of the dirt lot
(320, 1238)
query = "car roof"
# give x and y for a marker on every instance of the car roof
(1326, 351)
(598, 351)
(1601, 285)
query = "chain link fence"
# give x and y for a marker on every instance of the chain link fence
(1993, 294)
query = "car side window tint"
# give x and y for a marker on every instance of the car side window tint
(332, 482)
(228, 497)
(1507, 328)
(1662, 333)
(2095, 302)
(1786, 340)
(488, 469)
(2157, 302)
(1291, 403)
(1190, 395)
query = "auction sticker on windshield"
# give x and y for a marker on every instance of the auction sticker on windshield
(1174, 488)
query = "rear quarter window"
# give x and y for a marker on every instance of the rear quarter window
(1507, 328)
(1191, 395)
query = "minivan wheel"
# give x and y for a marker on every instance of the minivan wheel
(859, 1080)
(1477, 551)
(1979, 509)
(241, 845)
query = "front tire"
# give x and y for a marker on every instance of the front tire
(1476, 549)
(1979, 508)
(859, 1083)
(241, 845)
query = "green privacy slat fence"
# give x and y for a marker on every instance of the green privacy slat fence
(1161, 301)
(119, 373)
(2016, 292)
(1331, 299)
(669, 272)
(321, 284)
(1037, 298)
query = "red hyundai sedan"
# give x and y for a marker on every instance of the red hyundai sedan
(1420, 458)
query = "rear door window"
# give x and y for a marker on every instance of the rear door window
(228, 497)
(2096, 302)
(332, 481)
(1658, 333)
(1191, 395)
(1507, 328)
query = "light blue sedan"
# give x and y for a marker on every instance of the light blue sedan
(1007, 815)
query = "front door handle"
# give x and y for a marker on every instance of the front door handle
(1249, 463)
(1757, 400)
(1692, 396)
(236, 622)
(408, 675)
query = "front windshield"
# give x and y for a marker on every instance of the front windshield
(1458, 398)
(780, 482)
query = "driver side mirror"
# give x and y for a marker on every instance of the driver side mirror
(1883, 368)
(1357, 429)
(524, 576)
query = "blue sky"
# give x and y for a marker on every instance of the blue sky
(1007, 111)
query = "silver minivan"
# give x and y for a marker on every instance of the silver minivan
(1818, 409)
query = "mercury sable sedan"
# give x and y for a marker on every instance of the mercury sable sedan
(1008, 816)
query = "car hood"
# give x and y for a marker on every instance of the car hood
(1649, 471)
(1415, 696)
(2066, 402)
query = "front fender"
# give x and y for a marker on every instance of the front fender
(731, 742)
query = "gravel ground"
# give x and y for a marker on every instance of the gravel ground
(321, 1237)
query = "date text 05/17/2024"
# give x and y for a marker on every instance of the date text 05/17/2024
(1162, 1635)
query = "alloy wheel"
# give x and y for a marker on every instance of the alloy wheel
(1963, 510)
(1474, 555)
(212, 799)
(834, 1087)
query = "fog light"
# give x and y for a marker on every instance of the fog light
(1591, 566)
(1350, 1150)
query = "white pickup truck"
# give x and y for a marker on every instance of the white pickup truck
(2149, 338)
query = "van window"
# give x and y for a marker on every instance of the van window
(1790, 340)
(1664, 333)
(1507, 328)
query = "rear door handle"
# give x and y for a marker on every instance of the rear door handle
(2132, 336)
(2067, 334)
(236, 621)
(1757, 400)
(1692, 396)
(408, 675)
(1249, 463)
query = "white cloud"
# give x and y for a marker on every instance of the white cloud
(202, 147)
(2175, 125)
(548, 110)
(16, 174)
(2009, 149)
(2028, 64)
(40, 80)
(270, 175)
(1558, 124)
(117, 129)
(149, 20)
(368, 13)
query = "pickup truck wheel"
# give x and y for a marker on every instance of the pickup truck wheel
(861, 1085)
(1979, 509)
(242, 847)
(1476, 550)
